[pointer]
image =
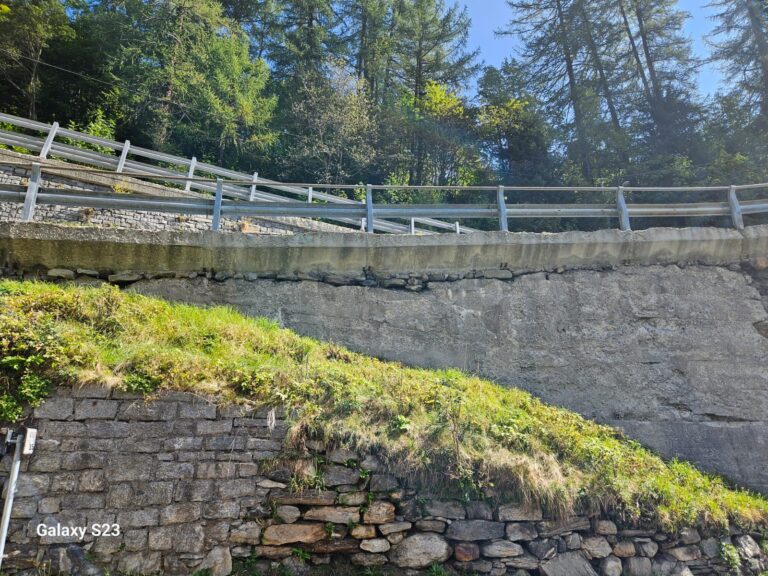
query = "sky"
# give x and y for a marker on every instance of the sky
(490, 15)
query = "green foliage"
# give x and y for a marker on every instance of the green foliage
(730, 555)
(301, 554)
(453, 432)
(437, 570)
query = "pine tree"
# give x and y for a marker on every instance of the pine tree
(741, 45)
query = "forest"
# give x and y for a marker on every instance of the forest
(391, 91)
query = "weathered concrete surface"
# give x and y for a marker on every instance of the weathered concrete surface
(46, 245)
(670, 354)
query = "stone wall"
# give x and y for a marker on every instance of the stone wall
(663, 333)
(134, 219)
(196, 487)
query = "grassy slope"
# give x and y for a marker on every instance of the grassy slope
(441, 427)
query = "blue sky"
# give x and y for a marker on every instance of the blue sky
(490, 15)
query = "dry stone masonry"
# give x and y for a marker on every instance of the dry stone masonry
(197, 488)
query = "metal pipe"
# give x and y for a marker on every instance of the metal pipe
(10, 490)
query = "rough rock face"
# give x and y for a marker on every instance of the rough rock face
(420, 551)
(673, 355)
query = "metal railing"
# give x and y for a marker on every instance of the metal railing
(132, 160)
(240, 195)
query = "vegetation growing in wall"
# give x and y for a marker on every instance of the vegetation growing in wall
(444, 427)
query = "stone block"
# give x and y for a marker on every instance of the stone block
(138, 518)
(685, 553)
(611, 566)
(218, 509)
(174, 470)
(225, 443)
(129, 467)
(135, 540)
(690, 536)
(93, 408)
(335, 514)
(472, 530)
(214, 427)
(568, 564)
(182, 443)
(59, 408)
(148, 412)
(92, 481)
(83, 460)
(605, 528)
(106, 430)
(394, 527)
(638, 566)
(517, 531)
(379, 512)
(624, 549)
(420, 551)
(188, 538)
(281, 534)
(543, 549)
(152, 493)
(342, 456)
(466, 551)
(198, 411)
(375, 545)
(194, 491)
(449, 509)
(161, 538)
(237, 488)
(363, 531)
(596, 547)
(437, 526)
(502, 549)
(45, 462)
(180, 513)
(479, 511)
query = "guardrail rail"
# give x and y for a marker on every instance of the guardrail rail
(227, 193)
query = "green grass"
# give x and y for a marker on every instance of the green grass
(443, 428)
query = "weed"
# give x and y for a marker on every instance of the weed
(730, 555)
(301, 554)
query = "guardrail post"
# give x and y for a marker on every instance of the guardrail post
(310, 191)
(49, 141)
(30, 199)
(254, 182)
(216, 220)
(123, 156)
(413, 227)
(369, 208)
(736, 215)
(458, 228)
(190, 174)
(621, 205)
(503, 219)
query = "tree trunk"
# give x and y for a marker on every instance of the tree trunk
(602, 75)
(639, 63)
(758, 22)
(655, 85)
(573, 91)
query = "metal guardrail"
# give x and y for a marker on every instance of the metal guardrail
(132, 161)
(238, 195)
(34, 194)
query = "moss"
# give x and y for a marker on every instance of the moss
(438, 427)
